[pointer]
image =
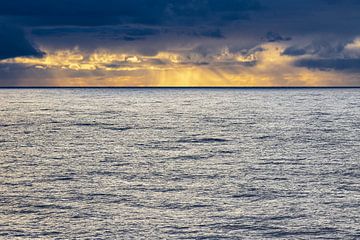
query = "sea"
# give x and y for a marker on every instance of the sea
(180, 163)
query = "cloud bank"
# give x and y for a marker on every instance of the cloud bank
(169, 42)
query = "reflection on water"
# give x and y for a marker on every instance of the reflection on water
(179, 163)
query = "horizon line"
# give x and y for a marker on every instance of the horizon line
(177, 87)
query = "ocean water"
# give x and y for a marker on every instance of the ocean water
(180, 163)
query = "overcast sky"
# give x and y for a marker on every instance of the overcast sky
(179, 43)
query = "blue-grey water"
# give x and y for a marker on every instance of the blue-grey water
(180, 163)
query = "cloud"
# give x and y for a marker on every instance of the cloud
(17, 74)
(126, 33)
(232, 41)
(352, 65)
(112, 12)
(118, 61)
(211, 33)
(13, 43)
(263, 65)
(294, 51)
(276, 37)
(323, 49)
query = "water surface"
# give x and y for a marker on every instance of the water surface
(180, 163)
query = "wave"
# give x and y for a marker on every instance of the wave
(203, 140)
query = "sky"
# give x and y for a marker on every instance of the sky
(180, 43)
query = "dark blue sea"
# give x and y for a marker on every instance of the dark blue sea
(180, 163)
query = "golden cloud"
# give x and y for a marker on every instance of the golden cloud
(267, 67)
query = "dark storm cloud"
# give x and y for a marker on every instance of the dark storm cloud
(203, 32)
(240, 18)
(326, 56)
(209, 33)
(117, 33)
(13, 43)
(299, 18)
(13, 74)
(294, 51)
(110, 12)
(276, 37)
(351, 65)
(159, 12)
(283, 16)
(320, 48)
(81, 12)
(124, 32)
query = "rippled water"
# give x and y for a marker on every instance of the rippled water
(180, 163)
